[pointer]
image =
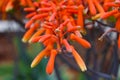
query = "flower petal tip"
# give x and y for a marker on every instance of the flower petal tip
(32, 65)
(84, 69)
(30, 41)
(24, 40)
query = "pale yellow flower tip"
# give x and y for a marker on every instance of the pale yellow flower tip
(83, 68)
(39, 57)
(30, 41)
(9, 8)
(35, 61)
(96, 17)
(24, 40)
(33, 65)
(79, 60)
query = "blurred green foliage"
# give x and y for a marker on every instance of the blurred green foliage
(6, 71)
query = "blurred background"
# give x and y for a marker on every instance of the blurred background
(102, 60)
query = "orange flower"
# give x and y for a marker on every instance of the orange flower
(29, 23)
(117, 25)
(39, 16)
(119, 41)
(35, 39)
(78, 59)
(28, 34)
(50, 64)
(9, 6)
(110, 13)
(41, 55)
(111, 4)
(31, 15)
(91, 7)
(29, 9)
(81, 41)
(38, 33)
(44, 37)
(106, 1)
(29, 3)
(67, 45)
(23, 2)
(74, 28)
(98, 6)
(54, 24)
(80, 21)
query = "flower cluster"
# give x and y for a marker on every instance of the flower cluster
(7, 5)
(111, 8)
(55, 23)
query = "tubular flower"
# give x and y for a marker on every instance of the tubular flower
(7, 5)
(55, 23)
(78, 59)
(119, 41)
(50, 65)
(51, 23)
(105, 13)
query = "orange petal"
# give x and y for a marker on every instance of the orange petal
(67, 45)
(39, 57)
(44, 9)
(105, 7)
(98, 6)
(52, 17)
(30, 15)
(108, 14)
(80, 16)
(74, 28)
(30, 3)
(96, 16)
(36, 4)
(79, 60)
(46, 42)
(40, 16)
(69, 25)
(111, 4)
(116, 15)
(23, 2)
(44, 37)
(28, 34)
(62, 26)
(29, 9)
(29, 23)
(72, 11)
(117, 24)
(80, 40)
(38, 33)
(35, 39)
(50, 65)
(119, 41)
(91, 7)
(9, 6)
